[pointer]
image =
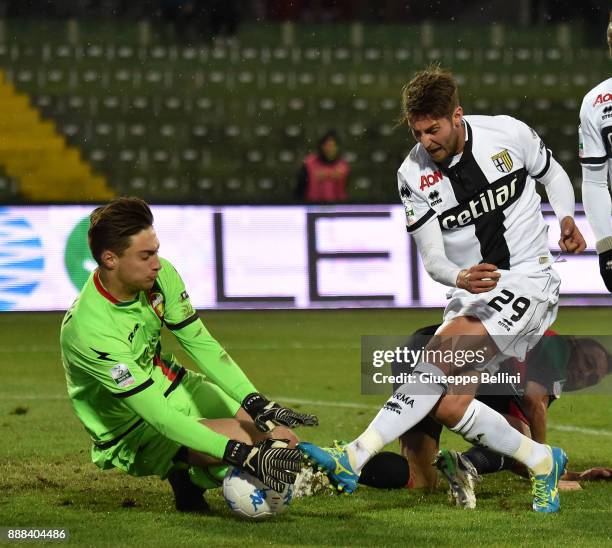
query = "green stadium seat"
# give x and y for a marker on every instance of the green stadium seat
(124, 76)
(386, 130)
(9, 189)
(366, 79)
(338, 79)
(136, 131)
(110, 106)
(580, 80)
(104, 129)
(138, 185)
(281, 54)
(168, 132)
(73, 131)
(25, 76)
(379, 157)
(361, 105)
(253, 158)
(232, 131)
(125, 53)
(266, 184)
(569, 130)
(341, 55)
(5, 54)
(95, 51)
(571, 103)
(293, 131)
(171, 188)
(158, 53)
(262, 132)
(286, 156)
(327, 104)
(204, 183)
(98, 157)
(351, 156)
(47, 104)
(234, 184)
(566, 156)
(402, 55)
(65, 52)
(296, 104)
(356, 129)
(389, 105)
(160, 157)
(482, 105)
(373, 55)
(200, 132)
(153, 77)
(519, 80)
(172, 105)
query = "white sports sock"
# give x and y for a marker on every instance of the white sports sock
(484, 426)
(407, 407)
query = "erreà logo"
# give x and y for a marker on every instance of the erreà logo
(430, 180)
(497, 196)
(602, 98)
(434, 197)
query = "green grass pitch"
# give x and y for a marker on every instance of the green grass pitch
(310, 359)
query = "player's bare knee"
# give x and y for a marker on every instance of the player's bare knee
(284, 433)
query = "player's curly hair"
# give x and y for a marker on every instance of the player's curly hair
(432, 92)
(111, 225)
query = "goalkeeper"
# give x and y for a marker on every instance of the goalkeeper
(145, 413)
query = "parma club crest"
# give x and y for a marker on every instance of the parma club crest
(502, 161)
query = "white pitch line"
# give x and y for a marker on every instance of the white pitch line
(324, 403)
(580, 430)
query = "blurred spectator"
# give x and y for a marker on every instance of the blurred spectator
(182, 15)
(324, 174)
(224, 18)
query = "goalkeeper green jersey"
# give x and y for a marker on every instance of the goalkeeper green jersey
(117, 373)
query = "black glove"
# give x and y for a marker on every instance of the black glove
(605, 267)
(268, 414)
(270, 461)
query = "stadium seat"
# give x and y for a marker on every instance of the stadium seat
(287, 157)
(73, 131)
(124, 76)
(94, 51)
(338, 79)
(125, 53)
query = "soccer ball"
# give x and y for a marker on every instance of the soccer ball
(250, 498)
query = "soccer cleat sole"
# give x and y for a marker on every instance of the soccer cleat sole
(460, 481)
(339, 487)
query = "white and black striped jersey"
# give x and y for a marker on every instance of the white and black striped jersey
(595, 130)
(485, 200)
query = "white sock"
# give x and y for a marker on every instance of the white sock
(408, 406)
(484, 426)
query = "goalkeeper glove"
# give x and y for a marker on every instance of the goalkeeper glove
(605, 267)
(268, 414)
(270, 461)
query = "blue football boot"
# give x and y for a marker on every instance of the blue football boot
(335, 462)
(545, 488)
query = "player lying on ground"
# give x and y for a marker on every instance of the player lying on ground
(556, 363)
(595, 151)
(145, 413)
(480, 231)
